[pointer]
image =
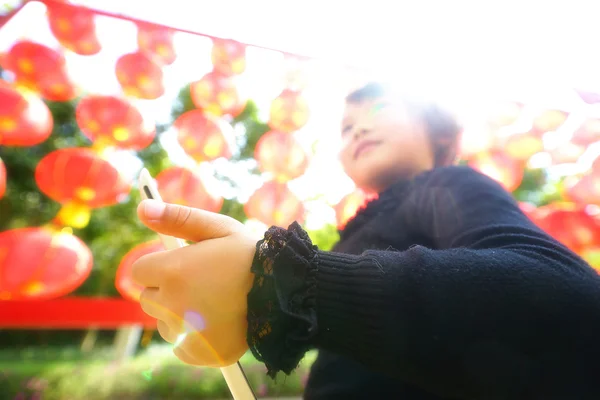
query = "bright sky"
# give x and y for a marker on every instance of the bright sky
(462, 52)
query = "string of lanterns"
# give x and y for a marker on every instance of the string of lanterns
(83, 179)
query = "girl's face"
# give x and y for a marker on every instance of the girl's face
(381, 144)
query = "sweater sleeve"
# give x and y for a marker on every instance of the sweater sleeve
(499, 310)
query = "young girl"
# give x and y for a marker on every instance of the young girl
(439, 289)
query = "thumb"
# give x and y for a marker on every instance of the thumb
(184, 222)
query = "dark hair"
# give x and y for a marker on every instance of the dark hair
(442, 127)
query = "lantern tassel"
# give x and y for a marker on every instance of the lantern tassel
(73, 214)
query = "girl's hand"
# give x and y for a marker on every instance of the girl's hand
(198, 292)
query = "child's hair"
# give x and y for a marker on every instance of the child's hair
(442, 127)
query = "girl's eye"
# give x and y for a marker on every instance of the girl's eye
(346, 129)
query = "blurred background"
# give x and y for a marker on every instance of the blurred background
(235, 107)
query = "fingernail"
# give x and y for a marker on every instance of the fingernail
(154, 209)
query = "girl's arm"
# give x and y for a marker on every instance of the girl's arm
(499, 311)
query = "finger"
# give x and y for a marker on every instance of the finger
(163, 269)
(185, 357)
(185, 222)
(147, 270)
(151, 303)
(196, 350)
(165, 332)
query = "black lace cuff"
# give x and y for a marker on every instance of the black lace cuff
(282, 317)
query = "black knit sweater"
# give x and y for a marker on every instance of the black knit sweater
(440, 289)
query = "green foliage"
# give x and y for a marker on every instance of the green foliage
(234, 209)
(156, 374)
(154, 157)
(325, 238)
(536, 188)
(183, 102)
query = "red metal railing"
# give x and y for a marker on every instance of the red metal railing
(73, 313)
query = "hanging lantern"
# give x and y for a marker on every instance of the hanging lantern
(289, 112)
(181, 186)
(228, 57)
(41, 263)
(584, 191)
(282, 155)
(347, 208)
(521, 146)
(25, 120)
(500, 167)
(79, 179)
(274, 204)
(157, 42)
(110, 121)
(588, 133)
(202, 136)
(504, 114)
(571, 225)
(217, 94)
(74, 28)
(139, 76)
(549, 120)
(41, 69)
(123, 280)
(2, 179)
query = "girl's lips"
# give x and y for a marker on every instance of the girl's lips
(364, 146)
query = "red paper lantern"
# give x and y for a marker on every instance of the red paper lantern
(274, 204)
(74, 28)
(181, 186)
(217, 94)
(123, 281)
(140, 76)
(114, 122)
(289, 112)
(280, 154)
(549, 120)
(529, 210)
(522, 146)
(571, 225)
(201, 136)
(347, 208)
(39, 68)
(2, 179)
(24, 119)
(585, 190)
(157, 42)
(500, 167)
(79, 179)
(228, 57)
(41, 263)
